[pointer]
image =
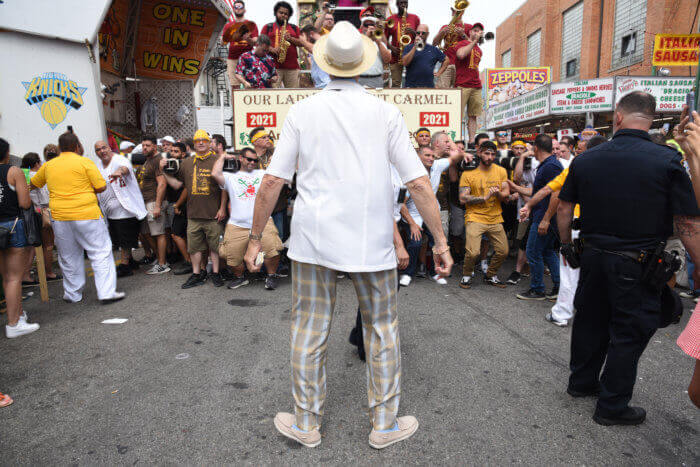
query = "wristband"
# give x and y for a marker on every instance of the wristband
(437, 252)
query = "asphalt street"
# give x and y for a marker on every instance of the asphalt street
(196, 376)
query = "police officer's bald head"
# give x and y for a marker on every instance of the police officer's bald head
(635, 111)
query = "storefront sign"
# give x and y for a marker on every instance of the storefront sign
(173, 38)
(676, 50)
(670, 93)
(575, 97)
(436, 109)
(530, 106)
(504, 84)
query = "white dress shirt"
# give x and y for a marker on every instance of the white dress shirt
(436, 171)
(341, 142)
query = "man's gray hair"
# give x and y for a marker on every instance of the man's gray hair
(435, 137)
(422, 149)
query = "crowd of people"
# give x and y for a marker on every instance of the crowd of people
(405, 55)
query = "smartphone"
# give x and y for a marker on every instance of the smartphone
(690, 102)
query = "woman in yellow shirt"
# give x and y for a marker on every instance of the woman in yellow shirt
(73, 182)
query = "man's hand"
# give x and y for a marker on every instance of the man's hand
(275, 50)
(524, 213)
(443, 262)
(415, 232)
(177, 210)
(403, 258)
(156, 212)
(251, 254)
(246, 37)
(220, 215)
(493, 191)
(275, 79)
(163, 162)
(247, 85)
(117, 175)
(514, 196)
(543, 228)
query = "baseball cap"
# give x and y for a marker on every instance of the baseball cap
(169, 139)
(201, 134)
(126, 145)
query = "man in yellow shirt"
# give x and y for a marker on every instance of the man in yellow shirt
(73, 182)
(482, 190)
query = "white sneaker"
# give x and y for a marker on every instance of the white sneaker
(439, 279)
(24, 317)
(484, 266)
(20, 329)
(159, 269)
(405, 280)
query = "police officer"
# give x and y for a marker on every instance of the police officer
(630, 191)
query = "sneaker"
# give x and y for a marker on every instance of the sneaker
(159, 269)
(216, 279)
(123, 270)
(148, 260)
(629, 416)
(227, 275)
(421, 271)
(531, 294)
(494, 281)
(184, 268)
(688, 294)
(405, 280)
(238, 282)
(514, 278)
(439, 279)
(195, 280)
(286, 424)
(466, 282)
(271, 282)
(114, 298)
(550, 318)
(20, 329)
(484, 266)
(407, 426)
(554, 293)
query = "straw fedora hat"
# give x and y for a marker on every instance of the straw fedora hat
(344, 52)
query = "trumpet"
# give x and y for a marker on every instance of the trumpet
(489, 36)
(383, 26)
(420, 45)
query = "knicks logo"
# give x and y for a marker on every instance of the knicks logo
(54, 95)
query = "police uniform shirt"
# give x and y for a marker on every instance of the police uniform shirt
(629, 190)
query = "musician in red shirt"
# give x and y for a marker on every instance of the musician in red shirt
(467, 70)
(451, 35)
(288, 69)
(402, 26)
(238, 47)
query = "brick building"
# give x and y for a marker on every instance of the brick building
(568, 36)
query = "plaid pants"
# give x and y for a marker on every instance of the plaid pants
(312, 309)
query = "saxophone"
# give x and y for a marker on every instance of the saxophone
(282, 43)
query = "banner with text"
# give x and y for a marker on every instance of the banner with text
(530, 106)
(504, 84)
(575, 97)
(669, 92)
(676, 50)
(436, 109)
(173, 38)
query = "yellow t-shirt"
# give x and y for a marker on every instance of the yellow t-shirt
(558, 182)
(71, 180)
(479, 181)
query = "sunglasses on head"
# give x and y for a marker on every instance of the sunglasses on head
(250, 159)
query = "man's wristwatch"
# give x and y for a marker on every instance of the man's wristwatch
(438, 252)
(252, 236)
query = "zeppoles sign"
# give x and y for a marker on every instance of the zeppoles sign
(436, 109)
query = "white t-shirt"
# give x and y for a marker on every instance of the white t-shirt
(398, 185)
(242, 188)
(343, 212)
(109, 203)
(565, 162)
(436, 171)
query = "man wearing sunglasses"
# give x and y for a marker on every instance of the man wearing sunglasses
(242, 188)
(374, 76)
(420, 65)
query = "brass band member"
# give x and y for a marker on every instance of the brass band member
(285, 40)
(468, 80)
(451, 34)
(240, 35)
(374, 76)
(404, 24)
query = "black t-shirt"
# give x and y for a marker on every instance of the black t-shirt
(629, 190)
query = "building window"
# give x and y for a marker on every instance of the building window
(571, 37)
(628, 39)
(505, 59)
(533, 48)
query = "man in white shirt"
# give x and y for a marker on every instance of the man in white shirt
(242, 188)
(343, 222)
(566, 147)
(122, 204)
(412, 225)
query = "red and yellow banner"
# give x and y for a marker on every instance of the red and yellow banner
(506, 83)
(173, 38)
(676, 50)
